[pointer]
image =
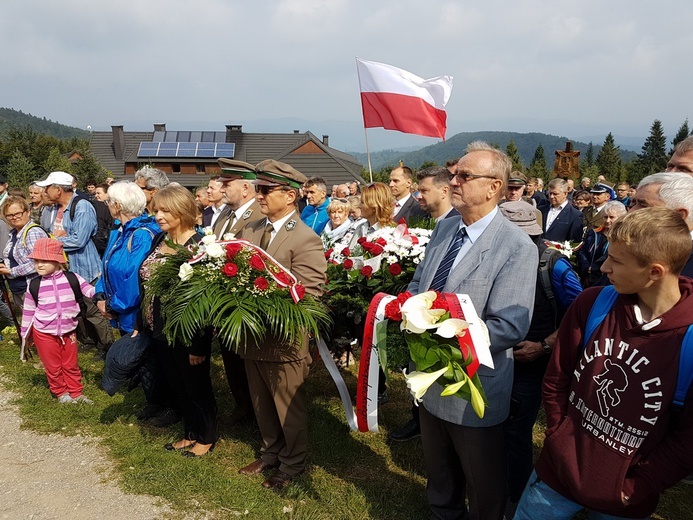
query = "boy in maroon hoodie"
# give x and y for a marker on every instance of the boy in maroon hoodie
(614, 438)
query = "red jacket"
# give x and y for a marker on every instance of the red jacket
(611, 426)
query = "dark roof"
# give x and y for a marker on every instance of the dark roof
(317, 159)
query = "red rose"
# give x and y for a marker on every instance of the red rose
(381, 241)
(256, 262)
(403, 297)
(261, 283)
(230, 269)
(283, 277)
(348, 263)
(328, 253)
(395, 269)
(346, 251)
(232, 250)
(300, 291)
(376, 250)
(440, 303)
(361, 241)
(393, 311)
(367, 271)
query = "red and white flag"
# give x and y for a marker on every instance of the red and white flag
(395, 99)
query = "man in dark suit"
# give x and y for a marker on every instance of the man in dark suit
(215, 195)
(434, 193)
(406, 206)
(276, 372)
(485, 256)
(561, 220)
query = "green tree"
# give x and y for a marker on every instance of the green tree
(609, 159)
(653, 157)
(537, 168)
(680, 136)
(589, 155)
(514, 154)
(88, 169)
(56, 162)
(20, 171)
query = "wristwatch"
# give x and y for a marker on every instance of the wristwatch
(545, 347)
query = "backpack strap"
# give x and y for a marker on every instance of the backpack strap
(79, 297)
(600, 308)
(545, 274)
(26, 231)
(685, 378)
(133, 235)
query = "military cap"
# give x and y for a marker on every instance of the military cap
(517, 179)
(274, 173)
(232, 170)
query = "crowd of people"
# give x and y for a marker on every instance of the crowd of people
(618, 407)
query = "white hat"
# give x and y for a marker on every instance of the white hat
(59, 178)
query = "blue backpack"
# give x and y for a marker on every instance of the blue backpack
(602, 306)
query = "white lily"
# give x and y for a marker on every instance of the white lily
(208, 239)
(452, 327)
(185, 272)
(453, 388)
(419, 382)
(417, 315)
(209, 230)
(229, 236)
(215, 250)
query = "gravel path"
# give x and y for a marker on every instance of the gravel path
(55, 477)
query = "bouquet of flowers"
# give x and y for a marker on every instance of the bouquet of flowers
(445, 338)
(382, 261)
(566, 248)
(236, 288)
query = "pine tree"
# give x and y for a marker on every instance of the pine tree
(680, 136)
(88, 169)
(514, 154)
(609, 159)
(589, 155)
(56, 162)
(653, 157)
(20, 172)
(537, 168)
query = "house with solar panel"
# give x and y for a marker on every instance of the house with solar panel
(190, 157)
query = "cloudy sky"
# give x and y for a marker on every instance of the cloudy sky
(575, 68)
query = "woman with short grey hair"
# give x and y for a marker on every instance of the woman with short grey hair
(118, 292)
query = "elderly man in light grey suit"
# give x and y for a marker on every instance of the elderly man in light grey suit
(483, 255)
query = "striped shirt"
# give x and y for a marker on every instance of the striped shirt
(57, 309)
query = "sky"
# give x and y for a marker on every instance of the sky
(574, 68)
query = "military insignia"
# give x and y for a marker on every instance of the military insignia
(247, 214)
(290, 225)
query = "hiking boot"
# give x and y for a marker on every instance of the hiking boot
(166, 418)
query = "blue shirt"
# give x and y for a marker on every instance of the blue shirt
(315, 217)
(81, 251)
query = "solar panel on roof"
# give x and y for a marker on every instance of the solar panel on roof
(225, 149)
(148, 150)
(183, 137)
(185, 149)
(158, 136)
(205, 153)
(170, 137)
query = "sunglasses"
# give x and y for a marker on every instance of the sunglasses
(266, 190)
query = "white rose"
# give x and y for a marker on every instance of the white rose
(215, 250)
(185, 272)
(209, 230)
(229, 236)
(209, 239)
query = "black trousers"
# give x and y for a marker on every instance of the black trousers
(234, 367)
(191, 386)
(459, 460)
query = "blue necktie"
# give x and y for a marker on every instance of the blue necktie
(443, 271)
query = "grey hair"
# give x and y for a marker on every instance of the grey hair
(559, 183)
(129, 196)
(676, 190)
(502, 165)
(615, 207)
(154, 179)
(684, 146)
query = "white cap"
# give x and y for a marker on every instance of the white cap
(59, 178)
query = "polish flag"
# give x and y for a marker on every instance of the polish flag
(395, 99)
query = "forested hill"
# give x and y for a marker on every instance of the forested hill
(454, 147)
(10, 118)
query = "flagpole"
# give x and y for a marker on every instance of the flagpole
(365, 133)
(368, 155)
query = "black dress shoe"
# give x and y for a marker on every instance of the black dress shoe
(256, 467)
(407, 432)
(277, 481)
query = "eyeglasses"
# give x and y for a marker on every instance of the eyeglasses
(467, 176)
(345, 201)
(13, 216)
(266, 190)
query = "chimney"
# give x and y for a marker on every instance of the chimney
(159, 127)
(118, 142)
(297, 131)
(232, 132)
(326, 140)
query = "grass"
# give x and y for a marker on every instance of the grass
(351, 475)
